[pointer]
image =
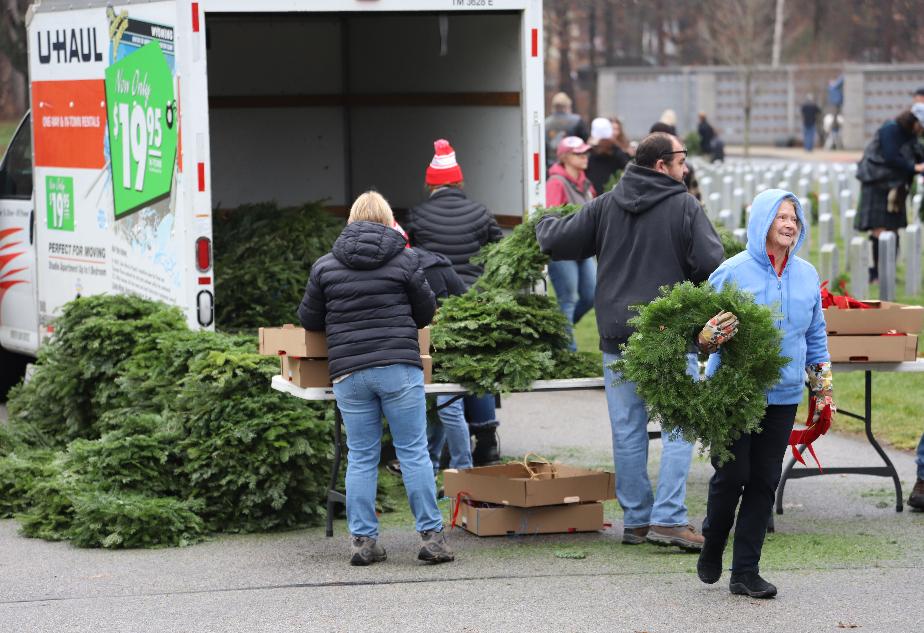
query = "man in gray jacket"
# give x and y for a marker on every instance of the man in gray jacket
(646, 233)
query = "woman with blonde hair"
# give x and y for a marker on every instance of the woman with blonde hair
(370, 297)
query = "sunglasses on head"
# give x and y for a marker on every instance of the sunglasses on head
(679, 151)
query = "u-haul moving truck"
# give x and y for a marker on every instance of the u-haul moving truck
(148, 116)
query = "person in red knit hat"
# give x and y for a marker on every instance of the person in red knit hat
(451, 224)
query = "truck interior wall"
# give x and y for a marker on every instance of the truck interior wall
(328, 144)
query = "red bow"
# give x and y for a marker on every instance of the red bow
(843, 301)
(811, 432)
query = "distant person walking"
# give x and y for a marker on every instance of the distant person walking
(810, 112)
(706, 133)
(561, 123)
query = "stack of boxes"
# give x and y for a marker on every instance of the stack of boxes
(886, 332)
(528, 498)
(303, 354)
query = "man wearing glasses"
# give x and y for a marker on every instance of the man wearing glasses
(646, 233)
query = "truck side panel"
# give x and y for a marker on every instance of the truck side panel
(105, 134)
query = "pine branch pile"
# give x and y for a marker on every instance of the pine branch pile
(717, 410)
(136, 432)
(263, 256)
(497, 337)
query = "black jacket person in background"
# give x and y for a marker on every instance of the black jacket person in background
(646, 233)
(451, 224)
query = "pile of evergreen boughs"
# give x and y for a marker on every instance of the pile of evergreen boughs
(136, 432)
(263, 256)
(498, 337)
(717, 410)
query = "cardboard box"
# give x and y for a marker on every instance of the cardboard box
(427, 362)
(873, 349)
(292, 341)
(502, 520)
(296, 341)
(510, 484)
(306, 372)
(882, 317)
(423, 339)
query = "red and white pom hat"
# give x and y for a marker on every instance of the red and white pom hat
(443, 169)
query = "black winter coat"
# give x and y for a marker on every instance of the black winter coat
(647, 232)
(450, 224)
(370, 296)
(443, 280)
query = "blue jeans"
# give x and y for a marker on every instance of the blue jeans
(808, 137)
(629, 422)
(480, 412)
(920, 459)
(453, 430)
(575, 282)
(362, 397)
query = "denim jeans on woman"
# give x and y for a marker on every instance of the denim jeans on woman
(575, 282)
(629, 424)
(397, 392)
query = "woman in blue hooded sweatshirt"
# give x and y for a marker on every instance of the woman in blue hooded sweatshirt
(770, 270)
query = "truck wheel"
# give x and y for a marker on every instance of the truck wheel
(12, 369)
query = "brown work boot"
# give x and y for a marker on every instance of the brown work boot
(634, 536)
(916, 500)
(682, 536)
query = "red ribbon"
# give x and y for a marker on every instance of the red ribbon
(455, 512)
(811, 433)
(842, 301)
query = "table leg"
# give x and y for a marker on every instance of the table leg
(334, 496)
(880, 471)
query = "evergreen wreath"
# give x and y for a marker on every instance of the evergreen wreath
(718, 410)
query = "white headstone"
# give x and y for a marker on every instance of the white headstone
(741, 235)
(911, 247)
(726, 218)
(714, 206)
(828, 263)
(825, 229)
(887, 266)
(859, 267)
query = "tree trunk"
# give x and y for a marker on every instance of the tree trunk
(747, 111)
(564, 51)
(778, 33)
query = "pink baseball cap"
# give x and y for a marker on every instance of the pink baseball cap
(571, 145)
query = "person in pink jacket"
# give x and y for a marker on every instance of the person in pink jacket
(574, 280)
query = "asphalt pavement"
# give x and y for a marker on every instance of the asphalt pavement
(841, 556)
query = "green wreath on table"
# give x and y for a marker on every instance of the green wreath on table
(718, 410)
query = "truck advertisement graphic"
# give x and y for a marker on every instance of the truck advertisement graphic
(105, 146)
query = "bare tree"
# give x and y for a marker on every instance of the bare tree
(738, 36)
(13, 48)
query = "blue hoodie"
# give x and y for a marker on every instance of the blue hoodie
(795, 296)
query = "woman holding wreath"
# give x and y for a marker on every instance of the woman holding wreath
(770, 270)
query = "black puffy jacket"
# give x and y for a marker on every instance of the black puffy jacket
(443, 280)
(370, 296)
(452, 225)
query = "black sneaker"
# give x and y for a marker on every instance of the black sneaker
(365, 551)
(709, 565)
(916, 500)
(751, 584)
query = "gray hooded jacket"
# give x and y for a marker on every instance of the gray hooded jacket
(646, 233)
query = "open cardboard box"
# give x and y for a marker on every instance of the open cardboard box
(314, 372)
(510, 484)
(882, 317)
(873, 349)
(503, 520)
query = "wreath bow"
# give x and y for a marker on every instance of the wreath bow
(814, 429)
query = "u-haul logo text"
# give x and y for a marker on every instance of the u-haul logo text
(68, 46)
